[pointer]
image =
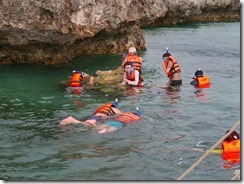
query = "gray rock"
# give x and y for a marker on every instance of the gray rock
(56, 30)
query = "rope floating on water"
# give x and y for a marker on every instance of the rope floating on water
(208, 151)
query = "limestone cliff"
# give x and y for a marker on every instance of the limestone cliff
(56, 30)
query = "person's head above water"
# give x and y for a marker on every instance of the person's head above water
(199, 73)
(132, 50)
(83, 75)
(166, 54)
(233, 136)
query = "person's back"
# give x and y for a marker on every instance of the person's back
(76, 78)
(199, 80)
(231, 147)
(105, 111)
(128, 117)
(120, 121)
(134, 59)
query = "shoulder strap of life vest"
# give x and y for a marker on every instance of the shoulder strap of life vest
(128, 117)
(131, 77)
(105, 109)
(175, 66)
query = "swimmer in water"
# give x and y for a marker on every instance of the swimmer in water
(115, 118)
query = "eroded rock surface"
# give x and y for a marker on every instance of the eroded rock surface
(56, 30)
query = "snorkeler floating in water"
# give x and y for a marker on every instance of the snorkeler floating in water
(109, 111)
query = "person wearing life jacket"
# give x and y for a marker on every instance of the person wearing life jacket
(199, 80)
(132, 76)
(231, 147)
(120, 121)
(172, 69)
(106, 111)
(134, 59)
(76, 78)
(103, 112)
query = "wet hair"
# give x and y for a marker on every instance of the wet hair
(77, 71)
(233, 136)
(166, 55)
(199, 73)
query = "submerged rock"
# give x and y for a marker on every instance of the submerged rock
(57, 30)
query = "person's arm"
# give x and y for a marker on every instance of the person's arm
(194, 83)
(122, 65)
(134, 83)
(91, 80)
(140, 59)
(124, 79)
(167, 70)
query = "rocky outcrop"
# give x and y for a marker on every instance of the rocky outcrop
(56, 30)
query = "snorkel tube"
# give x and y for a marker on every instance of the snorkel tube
(167, 51)
(116, 103)
(138, 112)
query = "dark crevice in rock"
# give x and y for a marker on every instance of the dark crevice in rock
(55, 31)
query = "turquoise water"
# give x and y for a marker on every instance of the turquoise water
(32, 103)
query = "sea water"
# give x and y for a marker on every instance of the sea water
(34, 146)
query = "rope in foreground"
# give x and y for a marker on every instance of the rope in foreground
(208, 151)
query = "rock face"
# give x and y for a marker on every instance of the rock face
(56, 30)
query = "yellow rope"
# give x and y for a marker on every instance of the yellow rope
(208, 151)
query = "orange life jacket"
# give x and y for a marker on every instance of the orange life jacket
(127, 117)
(175, 66)
(105, 109)
(75, 80)
(203, 82)
(131, 77)
(231, 150)
(135, 61)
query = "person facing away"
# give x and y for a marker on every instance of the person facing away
(172, 69)
(132, 75)
(231, 147)
(133, 57)
(77, 78)
(106, 111)
(120, 121)
(199, 80)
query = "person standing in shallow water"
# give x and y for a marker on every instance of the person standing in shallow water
(172, 69)
(133, 58)
(132, 76)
